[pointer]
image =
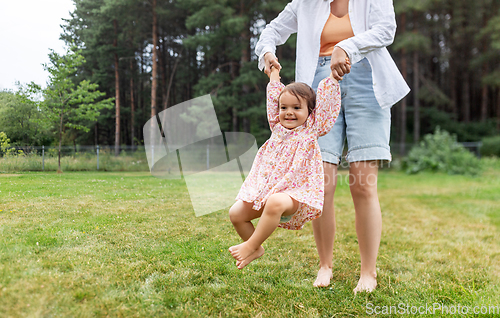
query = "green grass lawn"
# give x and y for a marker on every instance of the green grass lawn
(125, 244)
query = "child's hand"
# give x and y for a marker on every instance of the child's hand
(340, 63)
(333, 79)
(275, 74)
(270, 60)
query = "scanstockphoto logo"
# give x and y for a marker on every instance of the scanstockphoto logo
(432, 309)
(185, 141)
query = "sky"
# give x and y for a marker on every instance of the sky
(28, 29)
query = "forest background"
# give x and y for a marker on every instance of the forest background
(149, 55)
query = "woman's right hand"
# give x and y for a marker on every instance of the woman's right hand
(270, 59)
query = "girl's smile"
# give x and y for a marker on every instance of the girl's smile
(293, 111)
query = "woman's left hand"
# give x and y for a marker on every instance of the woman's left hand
(339, 64)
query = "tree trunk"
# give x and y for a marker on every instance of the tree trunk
(453, 70)
(484, 88)
(154, 82)
(453, 90)
(234, 112)
(141, 85)
(245, 57)
(162, 60)
(416, 101)
(402, 136)
(117, 92)
(484, 96)
(402, 109)
(60, 140)
(235, 118)
(498, 110)
(171, 80)
(484, 103)
(132, 103)
(140, 95)
(96, 133)
(466, 99)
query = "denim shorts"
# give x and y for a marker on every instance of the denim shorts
(361, 120)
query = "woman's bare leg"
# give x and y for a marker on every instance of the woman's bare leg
(363, 183)
(324, 228)
(277, 205)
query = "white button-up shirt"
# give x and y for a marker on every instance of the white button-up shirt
(374, 26)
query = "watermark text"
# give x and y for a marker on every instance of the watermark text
(431, 309)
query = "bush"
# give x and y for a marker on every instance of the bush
(6, 149)
(491, 163)
(441, 152)
(79, 162)
(490, 146)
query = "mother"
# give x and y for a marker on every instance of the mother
(352, 35)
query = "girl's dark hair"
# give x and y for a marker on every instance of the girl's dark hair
(301, 91)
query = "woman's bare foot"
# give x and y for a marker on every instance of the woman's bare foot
(366, 283)
(258, 253)
(324, 276)
(241, 251)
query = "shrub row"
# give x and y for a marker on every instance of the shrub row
(440, 152)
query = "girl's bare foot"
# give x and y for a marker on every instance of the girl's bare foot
(324, 276)
(366, 283)
(241, 251)
(258, 253)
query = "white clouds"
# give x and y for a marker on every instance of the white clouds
(28, 28)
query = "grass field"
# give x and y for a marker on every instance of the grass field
(125, 244)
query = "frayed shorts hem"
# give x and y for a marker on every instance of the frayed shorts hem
(331, 158)
(369, 153)
(365, 153)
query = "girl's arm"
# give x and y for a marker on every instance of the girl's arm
(273, 91)
(277, 32)
(327, 105)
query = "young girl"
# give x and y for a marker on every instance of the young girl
(285, 185)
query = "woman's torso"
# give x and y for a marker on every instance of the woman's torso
(309, 17)
(336, 29)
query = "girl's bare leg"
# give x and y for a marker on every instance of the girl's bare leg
(324, 228)
(277, 205)
(241, 214)
(363, 183)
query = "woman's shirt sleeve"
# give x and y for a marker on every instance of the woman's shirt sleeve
(381, 29)
(327, 106)
(274, 89)
(277, 32)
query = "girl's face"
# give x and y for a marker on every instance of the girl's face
(293, 111)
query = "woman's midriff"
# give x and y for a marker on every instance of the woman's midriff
(334, 31)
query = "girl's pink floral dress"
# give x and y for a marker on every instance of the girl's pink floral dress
(290, 161)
